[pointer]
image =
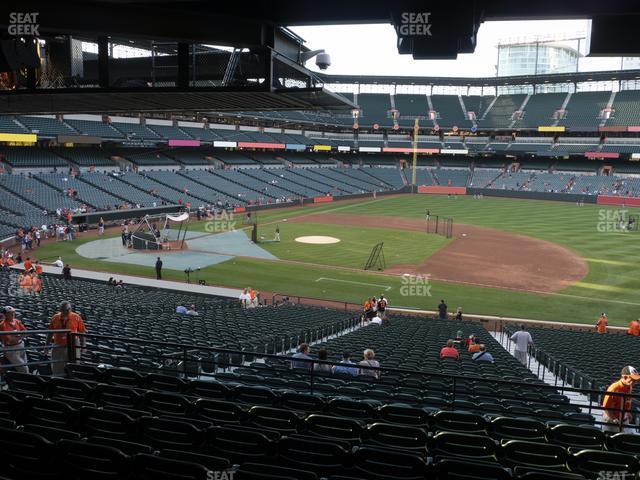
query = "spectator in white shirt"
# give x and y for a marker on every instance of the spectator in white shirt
(522, 339)
(192, 311)
(245, 298)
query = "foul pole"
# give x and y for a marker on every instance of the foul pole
(416, 129)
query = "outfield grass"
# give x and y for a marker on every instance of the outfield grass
(610, 286)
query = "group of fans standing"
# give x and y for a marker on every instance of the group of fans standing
(375, 310)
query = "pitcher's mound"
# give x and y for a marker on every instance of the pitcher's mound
(317, 240)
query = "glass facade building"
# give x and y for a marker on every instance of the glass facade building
(536, 59)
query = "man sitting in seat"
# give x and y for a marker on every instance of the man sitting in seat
(343, 366)
(449, 351)
(482, 355)
(302, 353)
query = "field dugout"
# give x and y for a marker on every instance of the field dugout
(440, 225)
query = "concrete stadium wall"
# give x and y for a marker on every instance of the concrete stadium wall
(496, 324)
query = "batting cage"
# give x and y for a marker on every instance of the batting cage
(440, 225)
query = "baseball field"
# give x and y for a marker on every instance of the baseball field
(508, 257)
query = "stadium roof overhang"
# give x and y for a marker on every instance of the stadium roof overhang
(442, 30)
(257, 33)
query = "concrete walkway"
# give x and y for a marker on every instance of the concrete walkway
(143, 281)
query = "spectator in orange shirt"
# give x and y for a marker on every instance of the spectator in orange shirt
(473, 346)
(38, 267)
(13, 345)
(36, 283)
(25, 282)
(601, 326)
(28, 265)
(614, 405)
(65, 319)
(449, 351)
(634, 328)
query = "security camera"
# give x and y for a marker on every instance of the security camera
(323, 61)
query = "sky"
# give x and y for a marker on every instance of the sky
(371, 49)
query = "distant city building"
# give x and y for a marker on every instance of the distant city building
(536, 57)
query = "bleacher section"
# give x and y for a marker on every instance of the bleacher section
(550, 182)
(187, 185)
(234, 158)
(98, 129)
(390, 176)
(169, 132)
(411, 106)
(17, 213)
(202, 134)
(135, 130)
(265, 158)
(539, 110)
(288, 180)
(583, 110)
(46, 127)
(593, 184)
(374, 108)
(88, 157)
(228, 189)
(88, 194)
(236, 183)
(584, 368)
(477, 104)
(29, 157)
(37, 193)
(451, 177)
(142, 156)
(188, 156)
(169, 193)
(9, 125)
(625, 107)
(315, 178)
(141, 414)
(424, 176)
(449, 111)
(512, 180)
(500, 114)
(111, 183)
(582, 113)
(483, 178)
